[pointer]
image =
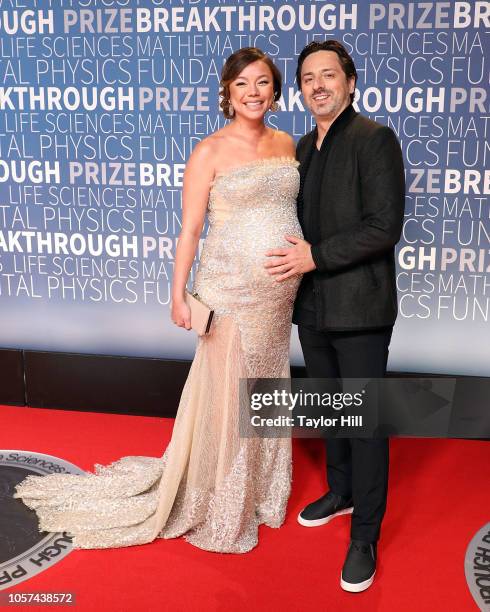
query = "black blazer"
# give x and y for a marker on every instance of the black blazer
(362, 199)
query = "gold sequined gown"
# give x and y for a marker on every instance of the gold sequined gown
(211, 484)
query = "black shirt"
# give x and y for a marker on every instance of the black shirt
(309, 215)
(305, 300)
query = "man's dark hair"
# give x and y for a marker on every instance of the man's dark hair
(328, 45)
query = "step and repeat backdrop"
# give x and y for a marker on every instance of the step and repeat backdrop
(102, 102)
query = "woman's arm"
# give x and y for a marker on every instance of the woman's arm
(199, 173)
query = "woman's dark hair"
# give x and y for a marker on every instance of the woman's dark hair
(233, 67)
(328, 45)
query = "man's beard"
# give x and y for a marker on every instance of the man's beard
(328, 107)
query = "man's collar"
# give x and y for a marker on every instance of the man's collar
(341, 120)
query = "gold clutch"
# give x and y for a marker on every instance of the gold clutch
(201, 315)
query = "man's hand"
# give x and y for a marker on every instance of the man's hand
(291, 261)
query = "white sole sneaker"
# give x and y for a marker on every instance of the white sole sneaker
(358, 587)
(322, 521)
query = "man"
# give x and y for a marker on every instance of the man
(350, 205)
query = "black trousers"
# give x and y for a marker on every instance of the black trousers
(356, 467)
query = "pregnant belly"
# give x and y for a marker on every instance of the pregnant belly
(231, 271)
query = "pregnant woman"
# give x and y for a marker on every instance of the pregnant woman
(211, 485)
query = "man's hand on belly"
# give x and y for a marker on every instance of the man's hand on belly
(291, 261)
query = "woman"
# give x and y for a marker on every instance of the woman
(211, 484)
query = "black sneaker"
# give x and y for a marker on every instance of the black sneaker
(323, 510)
(359, 567)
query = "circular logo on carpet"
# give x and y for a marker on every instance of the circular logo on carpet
(24, 550)
(477, 567)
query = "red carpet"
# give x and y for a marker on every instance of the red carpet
(439, 497)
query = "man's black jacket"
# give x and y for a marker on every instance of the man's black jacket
(361, 199)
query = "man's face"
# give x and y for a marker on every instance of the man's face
(324, 85)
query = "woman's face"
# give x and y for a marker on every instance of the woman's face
(252, 92)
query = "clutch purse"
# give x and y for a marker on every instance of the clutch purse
(201, 315)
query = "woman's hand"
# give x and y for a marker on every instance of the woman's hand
(181, 314)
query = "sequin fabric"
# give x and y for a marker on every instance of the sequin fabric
(211, 486)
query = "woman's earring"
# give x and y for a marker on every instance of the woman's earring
(274, 106)
(231, 110)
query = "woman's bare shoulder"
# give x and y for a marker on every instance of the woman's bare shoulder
(284, 143)
(211, 149)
